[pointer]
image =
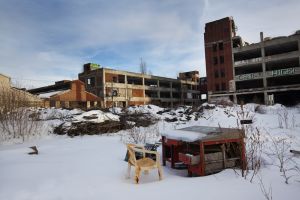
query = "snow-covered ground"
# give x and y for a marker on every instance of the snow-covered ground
(93, 167)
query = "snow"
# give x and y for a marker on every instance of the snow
(49, 94)
(115, 110)
(93, 167)
(77, 115)
(53, 113)
(182, 135)
(99, 116)
(151, 109)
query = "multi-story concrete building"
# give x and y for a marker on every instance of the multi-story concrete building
(122, 88)
(263, 72)
(269, 70)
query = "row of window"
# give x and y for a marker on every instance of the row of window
(220, 87)
(220, 73)
(215, 60)
(91, 82)
(216, 45)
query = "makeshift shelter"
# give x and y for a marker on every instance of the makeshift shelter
(204, 150)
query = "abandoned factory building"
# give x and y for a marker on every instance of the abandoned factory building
(122, 88)
(263, 72)
(66, 94)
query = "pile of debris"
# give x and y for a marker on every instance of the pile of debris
(91, 128)
(139, 119)
(182, 113)
(97, 122)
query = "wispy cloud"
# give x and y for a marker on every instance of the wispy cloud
(51, 40)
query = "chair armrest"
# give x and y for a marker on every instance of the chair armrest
(140, 149)
(148, 152)
(145, 151)
(138, 146)
(151, 152)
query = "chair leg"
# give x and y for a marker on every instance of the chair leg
(160, 173)
(137, 174)
(128, 171)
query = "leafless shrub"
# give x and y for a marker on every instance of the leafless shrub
(285, 120)
(284, 159)
(268, 194)
(254, 150)
(254, 143)
(244, 114)
(17, 120)
(141, 135)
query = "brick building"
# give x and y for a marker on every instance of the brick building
(66, 94)
(218, 54)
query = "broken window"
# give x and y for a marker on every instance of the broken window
(215, 60)
(216, 74)
(221, 46)
(91, 81)
(223, 86)
(214, 47)
(221, 59)
(222, 73)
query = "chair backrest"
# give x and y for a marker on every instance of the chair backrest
(131, 152)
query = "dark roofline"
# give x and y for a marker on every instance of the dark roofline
(59, 85)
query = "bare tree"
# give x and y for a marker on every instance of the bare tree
(254, 143)
(254, 151)
(142, 135)
(280, 149)
(283, 118)
(17, 119)
(143, 66)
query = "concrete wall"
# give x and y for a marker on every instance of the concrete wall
(4, 81)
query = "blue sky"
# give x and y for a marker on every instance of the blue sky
(45, 41)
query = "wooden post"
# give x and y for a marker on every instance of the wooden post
(202, 160)
(243, 155)
(172, 156)
(164, 150)
(224, 156)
